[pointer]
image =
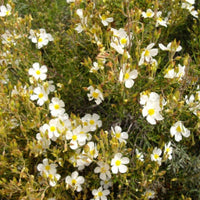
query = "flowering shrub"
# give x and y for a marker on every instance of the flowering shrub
(99, 100)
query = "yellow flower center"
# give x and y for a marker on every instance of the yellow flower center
(167, 150)
(151, 111)
(126, 76)
(95, 95)
(85, 123)
(38, 72)
(118, 162)
(149, 194)
(51, 176)
(8, 12)
(103, 170)
(56, 106)
(148, 14)
(74, 137)
(123, 40)
(40, 95)
(74, 182)
(9, 39)
(118, 135)
(40, 39)
(147, 53)
(92, 152)
(47, 167)
(156, 156)
(178, 129)
(52, 128)
(160, 19)
(100, 194)
(92, 122)
(103, 17)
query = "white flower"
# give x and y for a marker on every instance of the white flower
(45, 168)
(160, 21)
(43, 141)
(77, 137)
(106, 183)
(91, 121)
(48, 86)
(5, 10)
(139, 155)
(127, 76)
(172, 47)
(120, 40)
(121, 136)
(155, 156)
(189, 6)
(40, 95)
(53, 177)
(52, 128)
(75, 181)
(118, 163)
(149, 194)
(194, 106)
(41, 38)
(181, 72)
(148, 14)
(95, 94)
(70, 1)
(103, 169)
(81, 160)
(9, 38)
(148, 54)
(100, 194)
(80, 26)
(38, 72)
(105, 20)
(168, 150)
(49, 171)
(178, 129)
(170, 73)
(152, 107)
(92, 150)
(152, 97)
(96, 66)
(177, 73)
(56, 107)
(190, 1)
(152, 112)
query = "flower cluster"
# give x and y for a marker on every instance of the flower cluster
(76, 149)
(40, 37)
(80, 26)
(49, 171)
(188, 4)
(156, 154)
(159, 19)
(42, 89)
(152, 106)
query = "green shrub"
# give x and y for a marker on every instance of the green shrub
(99, 100)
